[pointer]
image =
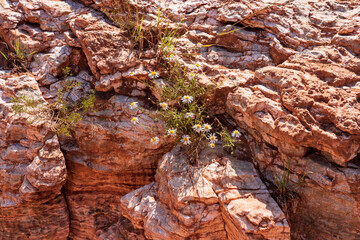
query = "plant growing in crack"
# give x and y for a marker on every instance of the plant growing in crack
(128, 17)
(64, 113)
(283, 184)
(180, 106)
(180, 95)
(16, 59)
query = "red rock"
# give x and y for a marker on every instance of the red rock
(32, 169)
(222, 198)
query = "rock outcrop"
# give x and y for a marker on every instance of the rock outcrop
(286, 72)
(221, 198)
(108, 157)
(304, 114)
(32, 169)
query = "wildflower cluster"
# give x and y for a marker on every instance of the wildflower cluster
(181, 97)
(181, 108)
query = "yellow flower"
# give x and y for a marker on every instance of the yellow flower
(185, 139)
(164, 105)
(189, 115)
(212, 138)
(187, 99)
(197, 66)
(134, 120)
(171, 132)
(153, 75)
(207, 127)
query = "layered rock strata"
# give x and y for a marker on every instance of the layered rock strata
(221, 198)
(108, 157)
(288, 76)
(304, 115)
(32, 168)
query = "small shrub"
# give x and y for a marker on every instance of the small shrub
(181, 96)
(181, 106)
(63, 113)
(16, 60)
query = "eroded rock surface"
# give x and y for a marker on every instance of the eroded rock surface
(32, 169)
(307, 109)
(222, 198)
(288, 76)
(108, 157)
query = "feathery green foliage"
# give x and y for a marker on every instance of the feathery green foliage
(63, 114)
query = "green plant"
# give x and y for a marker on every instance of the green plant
(16, 59)
(283, 183)
(181, 101)
(168, 39)
(180, 97)
(127, 17)
(64, 114)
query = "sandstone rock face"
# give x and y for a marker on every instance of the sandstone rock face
(286, 72)
(222, 198)
(307, 109)
(108, 157)
(32, 169)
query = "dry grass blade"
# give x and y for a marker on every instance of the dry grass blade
(251, 15)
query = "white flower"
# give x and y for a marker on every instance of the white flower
(207, 127)
(153, 75)
(212, 138)
(172, 132)
(164, 105)
(134, 120)
(134, 105)
(197, 128)
(235, 134)
(154, 140)
(171, 57)
(187, 99)
(191, 75)
(197, 66)
(189, 115)
(212, 144)
(132, 73)
(199, 45)
(185, 139)
(173, 49)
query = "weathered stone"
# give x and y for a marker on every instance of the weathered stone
(303, 106)
(222, 198)
(288, 73)
(109, 54)
(308, 104)
(32, 169)
(109, 157)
